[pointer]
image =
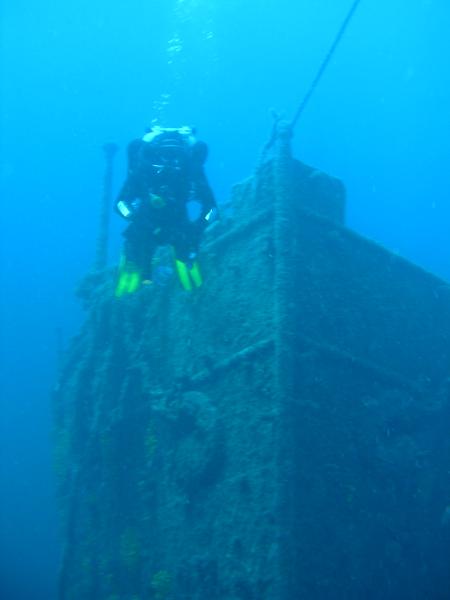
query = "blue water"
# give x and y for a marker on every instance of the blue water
(77, 74)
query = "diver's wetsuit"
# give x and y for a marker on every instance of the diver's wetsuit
(156, 192)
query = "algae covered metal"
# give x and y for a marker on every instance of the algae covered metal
(279, 433)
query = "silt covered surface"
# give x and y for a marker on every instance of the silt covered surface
(276, 434)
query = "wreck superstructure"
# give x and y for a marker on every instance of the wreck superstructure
(279, 433)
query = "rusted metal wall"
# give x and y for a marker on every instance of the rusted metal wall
(274, 435)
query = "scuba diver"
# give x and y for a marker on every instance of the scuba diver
(167, 200)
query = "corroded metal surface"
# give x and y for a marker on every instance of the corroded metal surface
(277, 434)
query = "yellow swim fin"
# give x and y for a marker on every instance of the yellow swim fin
(190, 277)
(129, 278)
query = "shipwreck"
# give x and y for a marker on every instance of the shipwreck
(279, 433)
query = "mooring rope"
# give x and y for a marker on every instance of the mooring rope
(325, 62)
(277, 118)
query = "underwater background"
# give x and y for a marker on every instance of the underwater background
(75, 75)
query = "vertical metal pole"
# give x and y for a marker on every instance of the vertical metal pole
(103, 234)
